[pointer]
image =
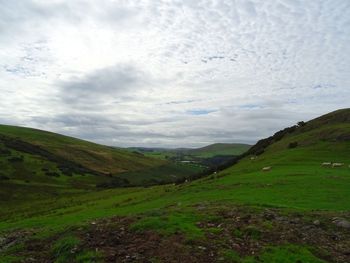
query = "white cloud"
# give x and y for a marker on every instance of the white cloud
(172, 73)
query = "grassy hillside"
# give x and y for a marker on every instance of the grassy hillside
(219, 149)
(293, 213)
(39, 163)
(99, 158)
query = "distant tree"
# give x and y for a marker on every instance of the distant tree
(301, 123)
(293, 145)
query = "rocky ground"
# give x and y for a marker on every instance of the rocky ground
(245, 232)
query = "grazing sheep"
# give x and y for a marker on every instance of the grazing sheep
(267, 168)
(326, 164)
(337, 164)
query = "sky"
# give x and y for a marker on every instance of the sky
(172, 73)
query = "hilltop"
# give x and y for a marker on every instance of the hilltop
(297, 211)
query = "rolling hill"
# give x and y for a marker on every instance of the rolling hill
(233, 149)
(32, 160)
(297, 211)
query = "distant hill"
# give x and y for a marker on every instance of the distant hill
(206, 151)
(31, 159)
(210, 156)
(219, 149)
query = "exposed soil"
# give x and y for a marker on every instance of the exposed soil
(247, 233)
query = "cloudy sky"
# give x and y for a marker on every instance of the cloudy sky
(172, 72)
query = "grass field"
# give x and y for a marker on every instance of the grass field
(249, 213)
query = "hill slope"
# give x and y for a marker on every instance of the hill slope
(98, 158)
(219, 149)
(292, 213)
(32, 159)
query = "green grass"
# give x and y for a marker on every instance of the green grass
(274, 254)
(66, 250)
(169, 224)
(9, 259)
(295, 182)
(284, 254)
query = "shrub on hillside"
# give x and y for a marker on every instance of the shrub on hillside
(292, 145)
(5, 151)
(4, 177)
(115, 182)
(301, 123)
(16, 159)
(53, 174)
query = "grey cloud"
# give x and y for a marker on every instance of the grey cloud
(28, 16)
(110, 84)
(263, 64)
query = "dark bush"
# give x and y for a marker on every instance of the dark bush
(53, 174)
(5, 151)
(301, 123)
(114, 183)
(16, 159)
(4, 177)
(293, 145)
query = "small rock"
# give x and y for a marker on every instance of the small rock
(280, 218)
(202, 248)
(335, 237)
(294, 220)
(269, 215)
(316, 222)
(343, 223)
(2, 241)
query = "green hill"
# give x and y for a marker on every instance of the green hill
(32, 160)
(98, 158)
(219, 149)
(298, 211)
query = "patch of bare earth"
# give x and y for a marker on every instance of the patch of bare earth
(246, 233)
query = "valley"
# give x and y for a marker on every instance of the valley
(59, 202)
